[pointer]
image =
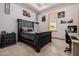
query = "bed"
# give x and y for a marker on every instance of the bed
(34, 39)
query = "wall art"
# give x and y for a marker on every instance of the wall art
(61, 14)
(63, 21)
(7, 8)
(26, 13)
(72, 29)
(43, 19)
(70, 21)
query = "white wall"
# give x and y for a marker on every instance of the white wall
(9, 22)
(70, 12)
(43, 26)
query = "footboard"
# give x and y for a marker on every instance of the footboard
(42, 39)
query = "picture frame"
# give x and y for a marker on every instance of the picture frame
(61, 14)
(43, 18)
(63, 21)
(7, 8)
(72, 29)
(25, 13)
(70, 21)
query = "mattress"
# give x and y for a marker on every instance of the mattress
(28, 35)
(31, 35)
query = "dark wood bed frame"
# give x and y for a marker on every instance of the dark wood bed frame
(40, 39)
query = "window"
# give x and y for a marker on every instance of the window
(52, 21)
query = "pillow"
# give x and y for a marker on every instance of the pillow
(30, 29)
(24, 29)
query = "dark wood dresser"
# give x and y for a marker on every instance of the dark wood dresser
(7, 40)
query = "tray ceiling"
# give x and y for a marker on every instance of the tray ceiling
(40, 6)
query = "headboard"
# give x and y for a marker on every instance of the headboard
(24, 23)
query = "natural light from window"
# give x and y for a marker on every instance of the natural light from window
(52, 21)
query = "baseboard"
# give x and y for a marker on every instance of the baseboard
(58, 38)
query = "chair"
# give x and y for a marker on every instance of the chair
(68, 41)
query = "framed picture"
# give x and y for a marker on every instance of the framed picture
(61, 14)
(70, 21)
(43, 19)
(72, 29)
(25, 13)
(7, 8)
(63, 21)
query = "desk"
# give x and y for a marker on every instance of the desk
(75, 47)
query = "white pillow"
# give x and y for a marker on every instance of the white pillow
(31, 28)
(24, 28)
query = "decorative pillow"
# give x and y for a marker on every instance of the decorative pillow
(30, 29)
(24, 29)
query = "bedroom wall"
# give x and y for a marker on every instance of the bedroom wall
(70, 12)
(9, 22)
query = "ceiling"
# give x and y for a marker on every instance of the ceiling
(41, 7)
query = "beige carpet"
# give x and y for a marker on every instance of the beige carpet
(55, 48)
